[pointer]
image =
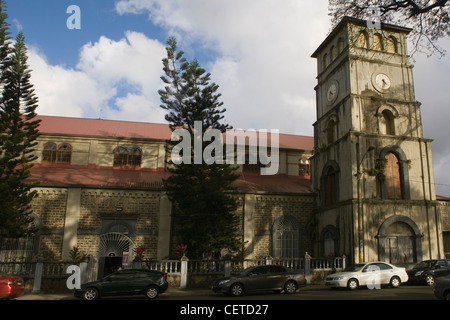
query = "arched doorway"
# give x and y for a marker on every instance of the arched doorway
(115, 252)
(399, 241)
(329, 241)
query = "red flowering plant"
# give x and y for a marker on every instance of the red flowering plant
(139, 253)
(181, 250)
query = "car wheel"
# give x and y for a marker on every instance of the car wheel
(290, 287)
(429, 280)
(237, 289)
(395, 282)
(90, 294)
(151, 292)
(352, 284)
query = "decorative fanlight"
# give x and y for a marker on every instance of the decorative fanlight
(114, 244)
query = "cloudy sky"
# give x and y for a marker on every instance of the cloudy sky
(258, 52)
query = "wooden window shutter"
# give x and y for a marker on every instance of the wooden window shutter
(393, 181)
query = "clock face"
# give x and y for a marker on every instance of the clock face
(382, 81)
(332, 92)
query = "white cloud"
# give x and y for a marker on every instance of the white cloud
(65, 92)
(135, 107)
(113, 79)
(135, 59)
(263, 65)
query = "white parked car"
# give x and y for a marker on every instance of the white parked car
(370, 274)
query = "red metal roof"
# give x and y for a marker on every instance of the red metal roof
(143, 130)
(103, 128)
(92, 176)
(95, 176)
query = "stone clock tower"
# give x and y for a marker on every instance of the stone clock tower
(372, 167)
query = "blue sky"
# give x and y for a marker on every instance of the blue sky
(258, 52)
(44, 23)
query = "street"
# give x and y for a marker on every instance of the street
(179, 304)
(315, 292)
(310, 292)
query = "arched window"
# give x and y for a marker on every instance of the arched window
(395, 182)
(64, 153)
(362, 40)
(325, 60)
(392, 45)
(377, 42)
(393, 178)
(331, 131)
(332, 53)
(57, 154)
(286, 238)
(387, 125)
(49, 153)
(329, 184)
(127, 157)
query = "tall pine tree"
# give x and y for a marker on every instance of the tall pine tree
(18, 134)
(204, 201)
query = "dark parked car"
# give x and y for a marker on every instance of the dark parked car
(10, 286)
(261, 278)
(125, 283)
(442, 287)
(426, 271)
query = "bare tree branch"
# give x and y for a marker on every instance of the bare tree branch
(429, 19)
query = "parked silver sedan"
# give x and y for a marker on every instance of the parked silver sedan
(370, 274)
(261, 278)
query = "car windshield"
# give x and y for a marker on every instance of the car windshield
(356, 267)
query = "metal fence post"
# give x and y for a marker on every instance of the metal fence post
(83, 272)
(38, 275)
(183, 272)
(307, 267)
(227, 271)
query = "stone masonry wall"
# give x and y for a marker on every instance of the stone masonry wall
(143, 206)
(269, 208)
(50, 208)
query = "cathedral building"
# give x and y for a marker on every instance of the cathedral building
(363, 186)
